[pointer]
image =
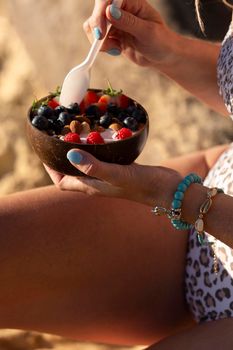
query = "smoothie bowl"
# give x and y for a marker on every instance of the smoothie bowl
(108, 124)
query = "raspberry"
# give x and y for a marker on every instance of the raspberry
(123, 133)
(72, 137)
(94, 138)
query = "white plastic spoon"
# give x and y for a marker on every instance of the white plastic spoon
(77, 80)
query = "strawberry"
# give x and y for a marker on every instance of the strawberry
(106, 99)
(72, 137)
(102, 107)
(94, 138)
(90, 98)
(124, 133)
(123, 101)
(115, 97)
(53, 103)
(82, 107)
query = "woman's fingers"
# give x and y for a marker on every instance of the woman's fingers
(112, 173)
(120, 19)
(89, 186)
(125, 21)
(95, 26)
(55, 176)
(111, 44)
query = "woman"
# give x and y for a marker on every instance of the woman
(105, 269)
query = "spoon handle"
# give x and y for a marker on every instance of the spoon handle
(97, 44)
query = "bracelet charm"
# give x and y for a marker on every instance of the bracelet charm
(172, 214)
(204, 208)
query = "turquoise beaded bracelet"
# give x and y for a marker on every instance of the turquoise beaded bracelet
(174, 214)
(178, 197)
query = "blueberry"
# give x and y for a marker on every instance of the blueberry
(45, 111)
(105, 120)
(113, 109)
(53, 117)
(131, 109)
(93, 111)
(122, 115)
(40, 122)
(139, 116)
(65, 118)
(55, 125)
(73, 108)
(131, 123)
(59, 109)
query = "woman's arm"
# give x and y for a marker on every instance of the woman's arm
(154, 186)
(193, 65)
(219, 220)
(142, 36)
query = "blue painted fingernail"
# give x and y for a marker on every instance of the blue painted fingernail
(74, 157)
(115, 12)
(97, 33)
(114, 52)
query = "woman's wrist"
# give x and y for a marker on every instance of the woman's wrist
(199, 210)
(193, 199)
(164, 187)
(192, 195)
(171, 43)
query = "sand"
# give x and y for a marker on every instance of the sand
(37, 48)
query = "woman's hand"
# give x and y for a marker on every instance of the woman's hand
(139, 31)
(148, 185)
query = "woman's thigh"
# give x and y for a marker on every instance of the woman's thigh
(199, 161)
(90, 268)
(207, 336)
(93, 268)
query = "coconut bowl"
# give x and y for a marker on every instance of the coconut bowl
(52, 151)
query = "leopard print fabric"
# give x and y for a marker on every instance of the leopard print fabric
(210, 294)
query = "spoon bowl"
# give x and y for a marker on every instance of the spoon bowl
(75, 85)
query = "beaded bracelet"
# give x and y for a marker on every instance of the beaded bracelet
(174, 214)
(204, 208)
(178, 197)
